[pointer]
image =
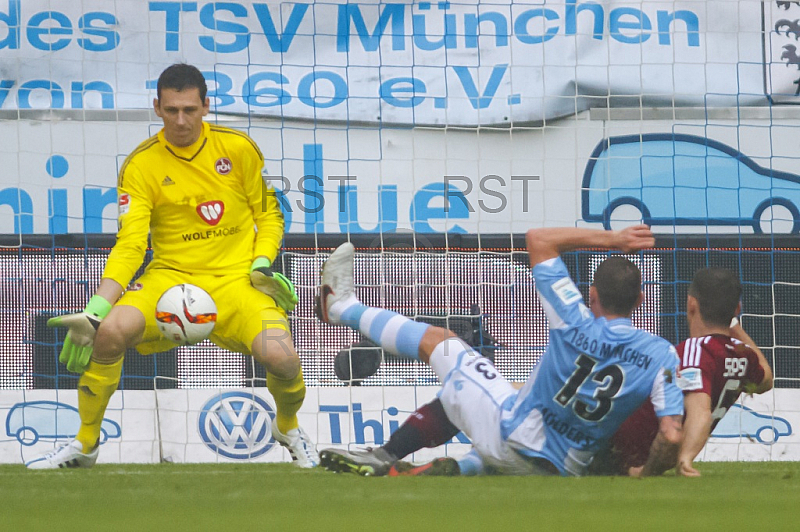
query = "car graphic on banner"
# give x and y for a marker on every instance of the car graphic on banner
(29, 422)
(676, 179)
(741, 421)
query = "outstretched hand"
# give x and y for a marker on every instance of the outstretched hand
(82, 328)
(635, 238)
(274, 284)
(79, 343)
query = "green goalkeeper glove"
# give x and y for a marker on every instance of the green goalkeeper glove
(79, 343)
(274, 284)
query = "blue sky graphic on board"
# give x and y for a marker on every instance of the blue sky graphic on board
(676, 179)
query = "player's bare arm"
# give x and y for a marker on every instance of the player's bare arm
(547, 243)
(109, 289)
(665, 448)
(766, 384)
(696, 430)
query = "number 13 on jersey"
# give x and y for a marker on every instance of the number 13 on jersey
(609, 380)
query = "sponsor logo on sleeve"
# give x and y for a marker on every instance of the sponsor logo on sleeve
(124, 203)
(223, 166)
(135, 286)
(211, 211)
(690, 379)
(566, 291)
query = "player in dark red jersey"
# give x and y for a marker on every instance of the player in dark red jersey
(718, 362)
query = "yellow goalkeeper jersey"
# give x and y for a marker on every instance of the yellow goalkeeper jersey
(206, 206)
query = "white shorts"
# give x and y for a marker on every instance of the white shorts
(472, 394)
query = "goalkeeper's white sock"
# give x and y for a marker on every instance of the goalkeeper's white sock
(392, 331)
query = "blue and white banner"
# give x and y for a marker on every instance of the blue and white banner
(424, 63)
(233, 425)
(59, 176)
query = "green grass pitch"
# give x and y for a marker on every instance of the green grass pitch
(243, 497)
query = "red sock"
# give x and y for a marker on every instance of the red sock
(427, 427)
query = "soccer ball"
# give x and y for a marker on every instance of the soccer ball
(186, 314)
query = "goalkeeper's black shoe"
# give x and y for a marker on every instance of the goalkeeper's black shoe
(440, 467)
(368, 463)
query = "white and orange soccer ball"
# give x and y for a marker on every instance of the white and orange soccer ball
(186, 314)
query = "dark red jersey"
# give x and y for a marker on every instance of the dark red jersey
(716, 365)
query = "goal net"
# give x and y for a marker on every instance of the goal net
(430, 135)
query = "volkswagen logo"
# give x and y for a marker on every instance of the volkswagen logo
(237, 425)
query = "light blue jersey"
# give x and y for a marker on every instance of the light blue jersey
(593, 375)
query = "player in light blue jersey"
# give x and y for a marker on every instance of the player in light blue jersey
(596, 371)
(598, 368)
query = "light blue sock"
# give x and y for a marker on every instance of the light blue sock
(470, 464)
(394, 332)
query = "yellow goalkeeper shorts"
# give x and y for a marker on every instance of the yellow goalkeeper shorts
(242, 311)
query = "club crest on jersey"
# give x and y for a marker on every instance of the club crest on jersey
(211, 211)
(223, 166)
(124, 203)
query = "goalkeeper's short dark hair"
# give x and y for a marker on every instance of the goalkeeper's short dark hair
(718, 292)
(618, 282)
(181, 76)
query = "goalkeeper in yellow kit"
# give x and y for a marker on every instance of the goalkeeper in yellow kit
(198, 190)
